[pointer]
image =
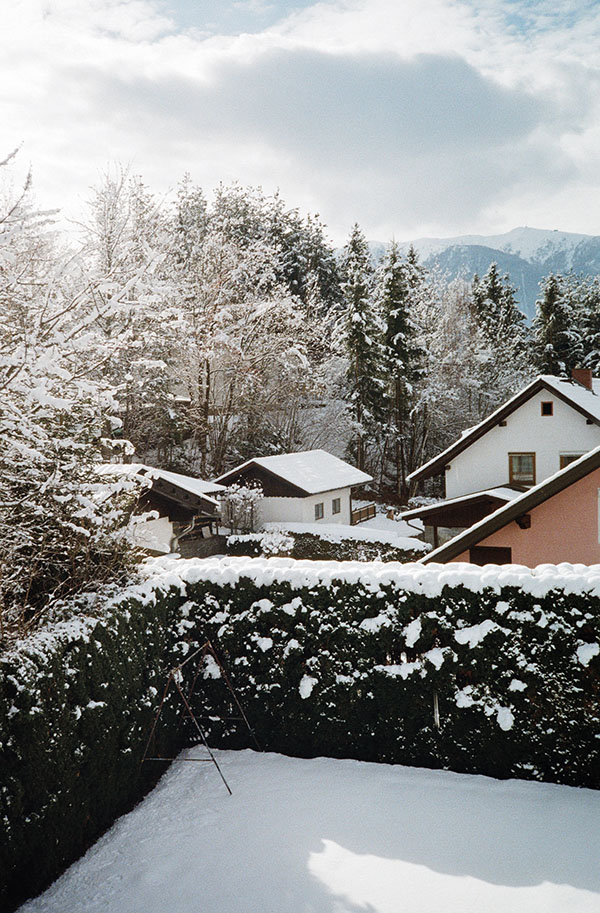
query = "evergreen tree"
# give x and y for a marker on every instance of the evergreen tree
(402, 359)
(504, 335)
(362, 337)
(557, 340)
(588, 293)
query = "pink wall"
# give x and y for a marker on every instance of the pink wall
(564, 528)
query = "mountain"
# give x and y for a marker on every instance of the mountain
(526, 254)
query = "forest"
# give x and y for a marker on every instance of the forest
(196, 332)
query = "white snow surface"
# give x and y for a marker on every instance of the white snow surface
(414, 577)
(339, 836)
(199, 487)
(312, 470)
(336, 532)
(532, 244)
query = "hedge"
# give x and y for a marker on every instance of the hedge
(308, 546)
(346, 660)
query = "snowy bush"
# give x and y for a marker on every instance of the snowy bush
(269, 543)
(240, 507)
(482, 670)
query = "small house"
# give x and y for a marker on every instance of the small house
(305, 487)
(557, 520)
(188, 513)
(543, 428)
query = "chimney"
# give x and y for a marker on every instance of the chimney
(582, 376)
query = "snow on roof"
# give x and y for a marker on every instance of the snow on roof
(577, 393)
(198, 487)
(569, 390)
(502, 493)
(313, 471)
(524, 502)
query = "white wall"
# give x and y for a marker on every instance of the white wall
(302, 510)
(155, 535)
(485, 463)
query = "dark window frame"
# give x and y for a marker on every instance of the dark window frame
(319, 510)
(565, 459)
(336, 505)
(511, 474)
(547, 407)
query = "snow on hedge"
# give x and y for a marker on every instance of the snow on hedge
(427, 580)
(339, 532)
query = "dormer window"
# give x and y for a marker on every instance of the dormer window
(548, 408)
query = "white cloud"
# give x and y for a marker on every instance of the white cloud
(427, 116)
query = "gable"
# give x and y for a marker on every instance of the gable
(518, 509)
(308, 472)
(579, 399)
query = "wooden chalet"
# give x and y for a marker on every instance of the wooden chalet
(188, 514)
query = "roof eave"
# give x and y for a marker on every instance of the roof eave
(515, 509)
(436, 466)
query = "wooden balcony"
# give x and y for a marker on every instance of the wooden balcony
(360, 514)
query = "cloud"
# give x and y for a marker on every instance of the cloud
(413, 118)
(420, 135)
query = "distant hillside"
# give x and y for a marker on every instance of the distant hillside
(526, 254)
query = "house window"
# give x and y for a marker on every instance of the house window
(566, 458)
(548, 408)
(336, 506)
(319, 511)
(486, 554)
(521, 468)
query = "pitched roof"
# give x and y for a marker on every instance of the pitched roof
(580, 398)
(312, 471)
(516, 508)
(198, 487)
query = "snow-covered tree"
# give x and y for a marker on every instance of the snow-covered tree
(240, 508)
(504, 333)
(361, 332)
(402, 362)
(62, 527)
(558, 342)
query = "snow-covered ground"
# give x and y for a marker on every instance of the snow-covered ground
(331, 836)
(397, 533)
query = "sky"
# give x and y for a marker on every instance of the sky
(412, 117)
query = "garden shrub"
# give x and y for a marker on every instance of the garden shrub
(345, 660)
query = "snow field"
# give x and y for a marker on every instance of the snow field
(339, 836)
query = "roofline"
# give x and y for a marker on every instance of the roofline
(275, 475)
(269, 472)
(486, 494)
(436, 465)
(516, 508)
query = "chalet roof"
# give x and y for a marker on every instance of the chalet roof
(199, 487)
(580, 398)
(312, 471)
(516, 508)
(502, 494)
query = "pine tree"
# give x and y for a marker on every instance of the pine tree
(504, 333)
(401, 358)
(362, 337)
(557, 340)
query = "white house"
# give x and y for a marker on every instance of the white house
(547, 425)
(186, 507)
(305, 487)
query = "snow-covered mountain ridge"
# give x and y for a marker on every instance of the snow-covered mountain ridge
(536, 245)
(526, 254)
